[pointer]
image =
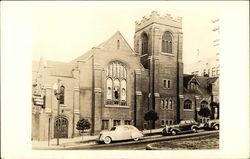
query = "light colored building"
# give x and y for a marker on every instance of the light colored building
(209, 66)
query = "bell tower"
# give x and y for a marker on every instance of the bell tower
(158, 42)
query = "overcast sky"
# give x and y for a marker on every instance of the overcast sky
(64, 32)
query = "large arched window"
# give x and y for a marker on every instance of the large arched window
(187, 104)
(116, 84)
(144, 47)
(62, 94)
(167, 42)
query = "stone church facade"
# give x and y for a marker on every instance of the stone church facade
(112, 84)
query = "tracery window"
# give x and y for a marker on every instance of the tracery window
(167, 42)
(144, 46)
(116, 84)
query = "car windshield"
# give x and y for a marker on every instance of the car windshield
(113, 129)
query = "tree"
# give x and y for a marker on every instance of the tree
(151, 116)
(205, 112)
(82, 124)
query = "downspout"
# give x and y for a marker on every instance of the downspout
(93, 96)
(178, 83)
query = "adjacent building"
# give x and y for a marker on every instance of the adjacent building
(112, 84)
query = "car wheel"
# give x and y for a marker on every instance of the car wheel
(136, 139)
(194, 130)
(107, 140)
(164, 133)
(216, 127)
(173, 132)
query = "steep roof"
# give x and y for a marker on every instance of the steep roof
(56, 68)
(110, 44)
(204, 82)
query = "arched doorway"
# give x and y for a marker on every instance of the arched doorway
(61, 128)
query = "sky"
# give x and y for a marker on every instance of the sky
(64, 32)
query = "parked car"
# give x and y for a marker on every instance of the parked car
(212, 124)
(121, 132)
(183, 126)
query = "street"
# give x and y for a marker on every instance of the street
(138, 145)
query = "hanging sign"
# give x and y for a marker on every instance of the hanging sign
(39, 100)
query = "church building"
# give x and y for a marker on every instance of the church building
(112, 84)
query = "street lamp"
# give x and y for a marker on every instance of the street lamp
(56, 88)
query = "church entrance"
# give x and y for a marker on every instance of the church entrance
(61, 128)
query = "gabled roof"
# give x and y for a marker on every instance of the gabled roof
(203, 83)
(113, 39)
(188, 78)
(109, 44)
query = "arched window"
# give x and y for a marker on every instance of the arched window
(62, 94)
(170, 104)
(116, 84)
(109, 91)
(166, 103)
(187, 104)
(144, 47)
(167, 42)
(162, 104)
(203, 104)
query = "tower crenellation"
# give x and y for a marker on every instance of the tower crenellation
(155, 17)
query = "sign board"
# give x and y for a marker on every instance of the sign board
(39, 100)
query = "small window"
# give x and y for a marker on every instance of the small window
(187, 104)
(170, 104)
(127, 122)
(170, 122)
(162, 122)
(204, 72)
(166, 122)
(118, 44)
(218, 71)
(113, 128)
(213, 71)
(105, 124)
(165, 83)
(117, 122)
(162, 104)
(169, 83)
(166, 103)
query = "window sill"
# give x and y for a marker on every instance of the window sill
(117, 106)
(168, 54)
(62, 105)
(188, 110)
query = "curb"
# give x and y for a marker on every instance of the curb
(151, 147)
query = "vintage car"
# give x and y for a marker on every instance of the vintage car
(121, 132)
(183, 126)
(212, 124)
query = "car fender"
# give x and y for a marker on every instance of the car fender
(194, 126)
(136, 135)
(175, 129)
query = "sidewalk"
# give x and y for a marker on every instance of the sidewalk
(87, 140)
